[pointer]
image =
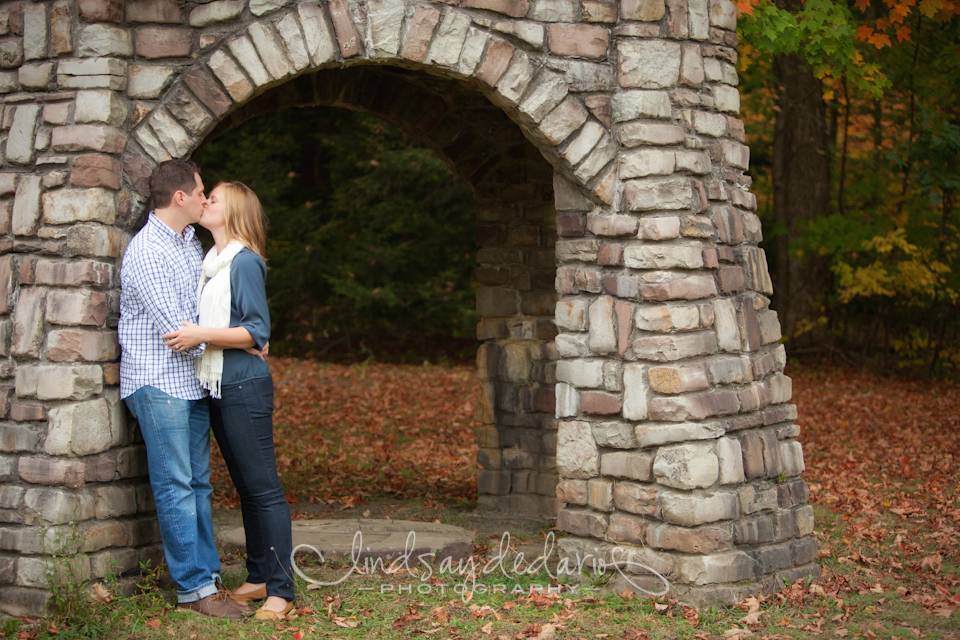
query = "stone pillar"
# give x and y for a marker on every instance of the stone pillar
(671, 441)
(73, 471)
(676, 446)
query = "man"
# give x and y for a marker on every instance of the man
(158, 280)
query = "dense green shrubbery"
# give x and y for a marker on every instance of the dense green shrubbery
(371, 243)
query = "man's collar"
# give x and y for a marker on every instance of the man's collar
(188, 231)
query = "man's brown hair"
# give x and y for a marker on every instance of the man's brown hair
(172, 176)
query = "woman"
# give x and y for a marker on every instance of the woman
(234, 319)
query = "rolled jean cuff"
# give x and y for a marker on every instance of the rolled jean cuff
(201, 592)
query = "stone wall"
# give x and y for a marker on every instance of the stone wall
(631, 378)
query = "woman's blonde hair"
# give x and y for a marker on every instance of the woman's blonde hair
(243, 215)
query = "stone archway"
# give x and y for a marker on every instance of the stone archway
(673, 440)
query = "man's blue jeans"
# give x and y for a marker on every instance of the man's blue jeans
(177, 435)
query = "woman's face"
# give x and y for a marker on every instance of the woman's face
(212, 216)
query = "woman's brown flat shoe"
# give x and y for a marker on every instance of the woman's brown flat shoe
(267, 615)
(250, 596)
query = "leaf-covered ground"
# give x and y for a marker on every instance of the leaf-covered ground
(882, 460)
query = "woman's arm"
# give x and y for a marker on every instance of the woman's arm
(191, 335)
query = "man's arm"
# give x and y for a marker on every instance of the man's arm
(150, 278)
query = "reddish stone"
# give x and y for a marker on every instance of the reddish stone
(730, 279)
(50, 471)
(610, 254)
(138, 169)
(155, 11)
(625, 528)
(513, 8)
(417, 40)
(96, 170)
(164, 42)
(27, 412)
(343, 26)
(545, 399)
(580, 40)
(570, 225)
(100, 10)
(204, 87)
(599, 403)
(677, 22)
(599, 106)
(111, 374)
(710, 260)
(495, 63)
(16, 22)
(84, 137)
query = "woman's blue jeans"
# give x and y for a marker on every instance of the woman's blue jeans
(242, 421)
(177, 435)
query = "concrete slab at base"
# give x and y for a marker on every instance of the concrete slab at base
(385, 539)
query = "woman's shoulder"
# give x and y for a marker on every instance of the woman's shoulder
(248, 260)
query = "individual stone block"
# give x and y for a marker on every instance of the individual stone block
(572, 492)
(572, 314)
(219, 11)
(649, 64)
(603, 338)
(65, 206)
(727, 98)
(647, 162)
(582, 523)
(104, 40)
(563, 121)
(76, 308)
(735, 566)
(52, 382)
(261, 7)
(662, 194)
(80, 428)
(600, 494)
(51, 471)
(28, 323)
(36, 76)
(96, 170)
(94, 241)
(100, 10)
(164, 42)
(35, 24)
(56, 506)
(515, 79)
(20, 142)
(343, 27)
(730, 458)
(699, 508)
(577, 455)
(599, 403)
(153, 11)
(627, 528)
(671, 348)
(25, 218)
(544, 94)
(686, 466)
(649, 435)
(84, 137)
(72, 345)
(579, 40)
(688, 255)
(147, 81)
(678, 379)
(585, 374)
(640, 499)
(635, 465)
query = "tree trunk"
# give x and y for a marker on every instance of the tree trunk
(801, 194)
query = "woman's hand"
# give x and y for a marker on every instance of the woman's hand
(190, 335)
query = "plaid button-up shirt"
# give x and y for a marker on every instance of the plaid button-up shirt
(158, 282)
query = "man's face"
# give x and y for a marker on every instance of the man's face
(194, 201)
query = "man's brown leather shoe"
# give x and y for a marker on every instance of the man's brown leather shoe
(219, 605)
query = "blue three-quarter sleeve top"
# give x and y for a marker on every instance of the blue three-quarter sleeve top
(248, 309)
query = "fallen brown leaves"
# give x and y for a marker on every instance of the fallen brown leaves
(344, 433)
(876, 446)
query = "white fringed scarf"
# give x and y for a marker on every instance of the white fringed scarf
(213, 301)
